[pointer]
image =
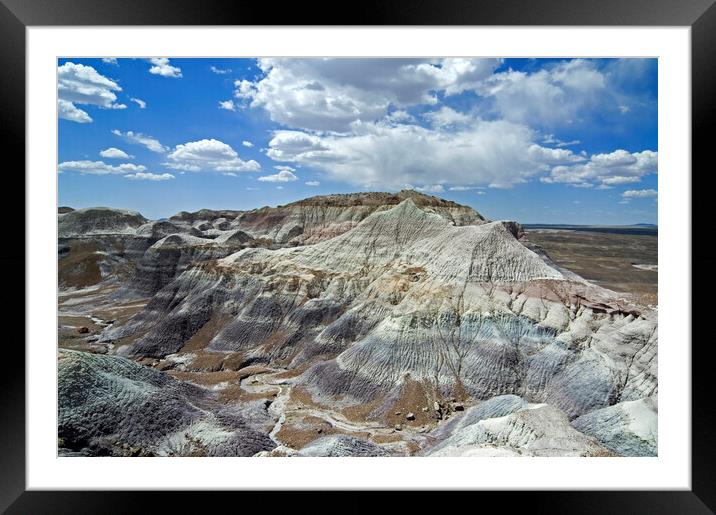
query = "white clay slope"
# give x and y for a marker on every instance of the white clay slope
(406, 233)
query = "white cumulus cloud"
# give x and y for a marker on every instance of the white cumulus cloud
(141, 103)
(445, 117)
(247, 144)
(605, 170)
(138, 138)
(551, 140)
(431, 188)
(68, 111)
(161, 66)
(551, 96)
(312, 183)
(282, 176)
(330, 94)
(78, 84)
(227, 105)
(649, 193)
(99, 167)
(114, 153)
(208, 155)
(487, 153)
(145, 176)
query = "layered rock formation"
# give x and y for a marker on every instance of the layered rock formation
(129, 242)
(95, 221)
(204, 215)
(109, 405)
(169, 256)
(319, 218)
(376, 305)
(534, 430)
(627, 428)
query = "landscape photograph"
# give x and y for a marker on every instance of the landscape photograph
(357, 257)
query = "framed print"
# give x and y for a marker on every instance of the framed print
(456, 248)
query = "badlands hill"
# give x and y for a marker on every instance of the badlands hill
(318, 218)
(96, 221)
(364, 324)
(161, 250)
(112, 406)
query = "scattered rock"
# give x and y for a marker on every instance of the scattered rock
(398, 427)
(436, 406)
(458, 407)
(425, 408)
(410, 416)
(398, 413)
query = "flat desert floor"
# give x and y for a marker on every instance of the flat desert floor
(620, 262)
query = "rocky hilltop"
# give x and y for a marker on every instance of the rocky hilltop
(322, 217)
(367, 324)
(95, 221)
(204, 215)
(124, 243)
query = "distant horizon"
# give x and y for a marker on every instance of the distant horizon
(533, 140)
(166, 217)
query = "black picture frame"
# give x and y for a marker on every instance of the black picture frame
(700, 15)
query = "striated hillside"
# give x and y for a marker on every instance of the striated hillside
(319, 218)
(110, 405)
(204, 215)
(95, 221)
(377, 324)
(109, 242)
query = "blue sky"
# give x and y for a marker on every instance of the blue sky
(534, 140)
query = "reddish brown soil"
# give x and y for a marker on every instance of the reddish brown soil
(207, 332)
(80, 267)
